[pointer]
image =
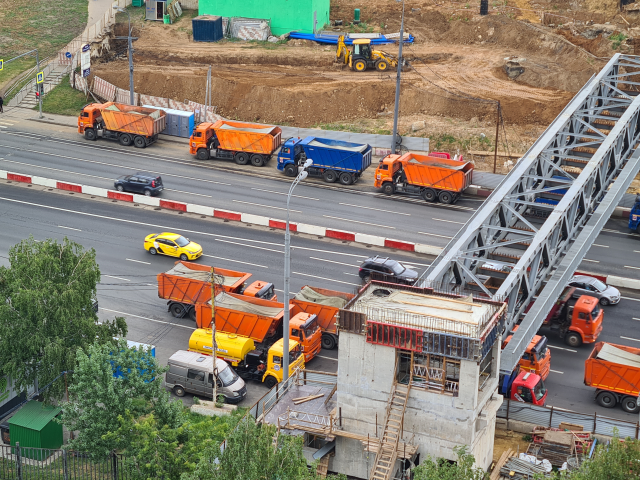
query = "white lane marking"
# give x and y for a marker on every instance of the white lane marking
(281, 252)
(290, 293)
(562, 348)
(352, 274)
(556, 371)
(634, 318)
(636, 251)
(281, 193)
(115, 165)
(635, 268)
(137, 261)
(621, 233)
(448, 221)
(2, 126)
(146, 318)
(326, 358)
(592, 261)
(435, 235)
(322, 278)
(264, 206)
(236, 261)
(332, 261)
(55, 169)
(630, 298)
(69, 228)
(356, 221)
(629, 338)
(371, 208)
(188, 193)
(602, 246)
(328, 251)
(118, 278)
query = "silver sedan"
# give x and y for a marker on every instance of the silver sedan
(593, 287)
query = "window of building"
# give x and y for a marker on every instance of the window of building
(429, 372)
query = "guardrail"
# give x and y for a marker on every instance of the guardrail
(552, 417)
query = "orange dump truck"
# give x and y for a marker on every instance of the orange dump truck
(189, 283)
(242, 142)
(614, 371)
(537, 357)
(261, 320)
(433, 178)
(130, 125)
(325, 305)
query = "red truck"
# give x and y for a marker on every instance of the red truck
(523, 386)
(577, 321)
(325, 305)
(614, 371)
(261, 320)
(189, 283)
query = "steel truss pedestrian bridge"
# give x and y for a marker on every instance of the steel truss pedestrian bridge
(526, 240)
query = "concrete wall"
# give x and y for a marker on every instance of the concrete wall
(437, 422)
(285, 15)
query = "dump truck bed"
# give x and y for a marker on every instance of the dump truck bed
(132, 119)
(251, 317)
(439, 173)
(337, 154)
(323, 303)
(247, 137)
(190, 283)
(613, 367)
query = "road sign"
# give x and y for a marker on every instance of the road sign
(85, 60)
(1, 65)
(40, 77)
(68, 54)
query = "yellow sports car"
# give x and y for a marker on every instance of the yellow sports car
(173, 245)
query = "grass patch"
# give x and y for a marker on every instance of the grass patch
(64, 100)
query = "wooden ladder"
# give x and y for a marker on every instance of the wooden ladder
(323, 466)
(388, 451)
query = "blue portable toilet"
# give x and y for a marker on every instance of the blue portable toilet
(179, 122)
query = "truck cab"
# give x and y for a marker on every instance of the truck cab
(259, 289)
(200, 140)
(304, 328)
(523, 386)
(87, 117)
(634, 216)
(290, 156)
(274, 361)
(536, 358)
(578, 321)
(386, 171)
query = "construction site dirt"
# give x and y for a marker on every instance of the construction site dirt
(457, 75)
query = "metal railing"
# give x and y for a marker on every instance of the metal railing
(552, 417)
(28, 463)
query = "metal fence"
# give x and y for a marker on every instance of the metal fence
(553, 417)
(27, 463)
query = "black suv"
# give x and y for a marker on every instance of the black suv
(385, 269)
(144, 183)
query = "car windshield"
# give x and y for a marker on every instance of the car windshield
(601, 287)
(182, 242)
(540, 390)
(397, 268)
(227, 376)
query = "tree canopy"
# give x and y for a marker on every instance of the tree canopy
(442, 469)
(47, 312)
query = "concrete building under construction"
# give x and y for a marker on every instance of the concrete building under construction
(417, 377)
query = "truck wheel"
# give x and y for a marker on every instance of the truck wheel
(290, 170)
(330, 176)
(445, 197)
(429, 195)
(139, 142)
(606, 399)
(202, 154)
(630, 404)
(125, 139)
(573, 339)
(192, 314)
(177, 310)
(90, 134)
(388, 188)
(179, 391)
(382, 65)
(257, 160)
(270, 381)
(241, 158)
(328, 342)
(359, 65)
(346, 179)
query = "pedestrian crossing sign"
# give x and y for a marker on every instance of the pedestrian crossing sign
(40, 77)
(1, 64)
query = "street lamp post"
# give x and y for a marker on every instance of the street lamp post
(287, 274)
(397, 104)
(130, 48)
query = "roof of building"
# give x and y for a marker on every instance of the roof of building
(34, 415)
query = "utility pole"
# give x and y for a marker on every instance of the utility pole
(397, 104)
(213, 335)
(130, 48)
(495, 150)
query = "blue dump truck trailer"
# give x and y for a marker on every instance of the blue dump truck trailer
(333, 160)
(634, 216)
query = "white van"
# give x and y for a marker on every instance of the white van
(193, 372)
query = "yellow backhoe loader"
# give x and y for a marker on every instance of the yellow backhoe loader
(361, 57)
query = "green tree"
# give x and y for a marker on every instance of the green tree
(47, 311)
(98, 400)
(442, 469)
(251, 455)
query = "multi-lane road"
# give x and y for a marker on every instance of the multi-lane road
(128, 287)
